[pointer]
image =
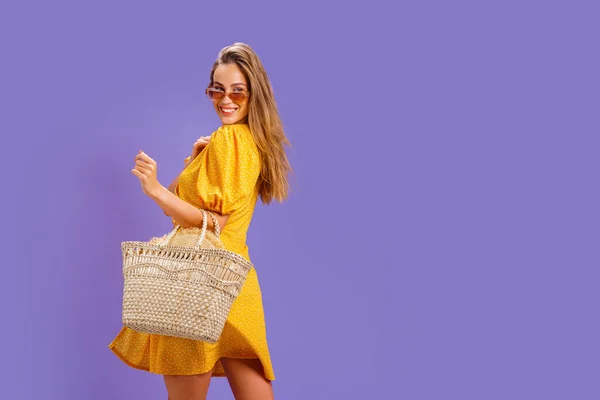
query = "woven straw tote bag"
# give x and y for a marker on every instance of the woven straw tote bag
(182, 284)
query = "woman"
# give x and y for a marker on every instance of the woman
(225, 173)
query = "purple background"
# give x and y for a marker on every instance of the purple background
(441, 239)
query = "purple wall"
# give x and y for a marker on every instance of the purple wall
(441, 239)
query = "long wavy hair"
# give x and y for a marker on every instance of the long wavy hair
(263, 120)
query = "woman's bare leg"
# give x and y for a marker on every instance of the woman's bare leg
(187, 387)
(246, 379)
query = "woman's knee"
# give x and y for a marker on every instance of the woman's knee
(246, 379)
(187, 387)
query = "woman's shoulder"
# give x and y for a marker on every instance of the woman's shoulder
(239, 134)
(233, 130)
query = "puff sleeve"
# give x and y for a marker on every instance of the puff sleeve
(229, 169)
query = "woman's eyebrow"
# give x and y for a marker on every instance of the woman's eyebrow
(233, 84)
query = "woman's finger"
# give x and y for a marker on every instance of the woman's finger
(143, 162)
(146, 157)
(144, 169)
(142, 172)
(140, 159)
(144, 165)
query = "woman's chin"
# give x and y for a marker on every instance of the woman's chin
(231, 120)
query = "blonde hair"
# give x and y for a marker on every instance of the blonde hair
(263, 120)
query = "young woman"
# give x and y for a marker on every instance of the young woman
(225, 173)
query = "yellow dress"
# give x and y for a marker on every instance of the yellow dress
(221, 178)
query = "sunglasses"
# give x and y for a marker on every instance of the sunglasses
(236, 95)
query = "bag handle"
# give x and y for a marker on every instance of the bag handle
(215, 223)
(202, 232)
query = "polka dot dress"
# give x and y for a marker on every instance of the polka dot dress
(221, 178)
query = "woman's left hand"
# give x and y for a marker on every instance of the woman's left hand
(145, 170)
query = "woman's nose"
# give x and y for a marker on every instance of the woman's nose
(226, 100)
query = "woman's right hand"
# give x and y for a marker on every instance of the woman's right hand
(198, 146)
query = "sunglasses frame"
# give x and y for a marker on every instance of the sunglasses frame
(246, 93)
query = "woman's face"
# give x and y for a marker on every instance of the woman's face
(230, 79)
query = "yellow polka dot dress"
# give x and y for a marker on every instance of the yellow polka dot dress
(221, 178)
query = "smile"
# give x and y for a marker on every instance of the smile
(227, 111)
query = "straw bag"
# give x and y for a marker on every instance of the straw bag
(182, 284)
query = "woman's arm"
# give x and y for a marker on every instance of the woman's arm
(176, 180)
(182, 212)
(171, 187)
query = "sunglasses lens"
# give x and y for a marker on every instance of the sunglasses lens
(215, 94)
(237, 96)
